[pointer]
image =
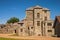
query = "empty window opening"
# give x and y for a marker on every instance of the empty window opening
(28, 28)
(45, 18)
(42, 24)
(38, 23)
(31, 27)
(45, 11)
(15, 31)
(21, 30)
(49, 24)
(1, 26)
(49, 30)
(21, 24)
(38, 15)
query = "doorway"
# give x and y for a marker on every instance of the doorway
(15, 31)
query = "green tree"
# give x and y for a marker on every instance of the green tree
(13, 20)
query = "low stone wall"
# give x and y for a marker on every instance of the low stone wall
(6, 31)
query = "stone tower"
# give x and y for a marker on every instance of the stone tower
(37, 22)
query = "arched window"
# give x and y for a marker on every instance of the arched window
(38, 15)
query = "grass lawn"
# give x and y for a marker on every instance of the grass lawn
(12, 39)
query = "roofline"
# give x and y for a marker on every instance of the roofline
(29, 10)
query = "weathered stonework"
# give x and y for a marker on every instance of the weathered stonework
(7, 29)
(30, 26)
(36, 23)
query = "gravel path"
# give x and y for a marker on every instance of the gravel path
(29, 37)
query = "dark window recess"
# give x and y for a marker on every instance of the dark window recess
(49, 24)
(38, 15)
(45, 11)
(1, 26)
(49, 30)
(31, 27)
(28, 28)
(42, 24)
(21, 30)
(45, 18)
(15, 31)
(38, 23)
(21, 24)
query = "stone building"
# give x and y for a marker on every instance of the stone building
(8, 28)
(36, 23)
(57, 26)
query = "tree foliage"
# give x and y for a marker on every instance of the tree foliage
(13, 20)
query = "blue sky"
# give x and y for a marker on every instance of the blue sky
(17, 8)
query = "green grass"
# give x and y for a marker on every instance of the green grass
(13, 39)
(8, 39)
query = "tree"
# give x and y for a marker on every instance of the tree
(13, 20)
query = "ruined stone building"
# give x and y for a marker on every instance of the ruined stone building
(7, 29)
(36, 23)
